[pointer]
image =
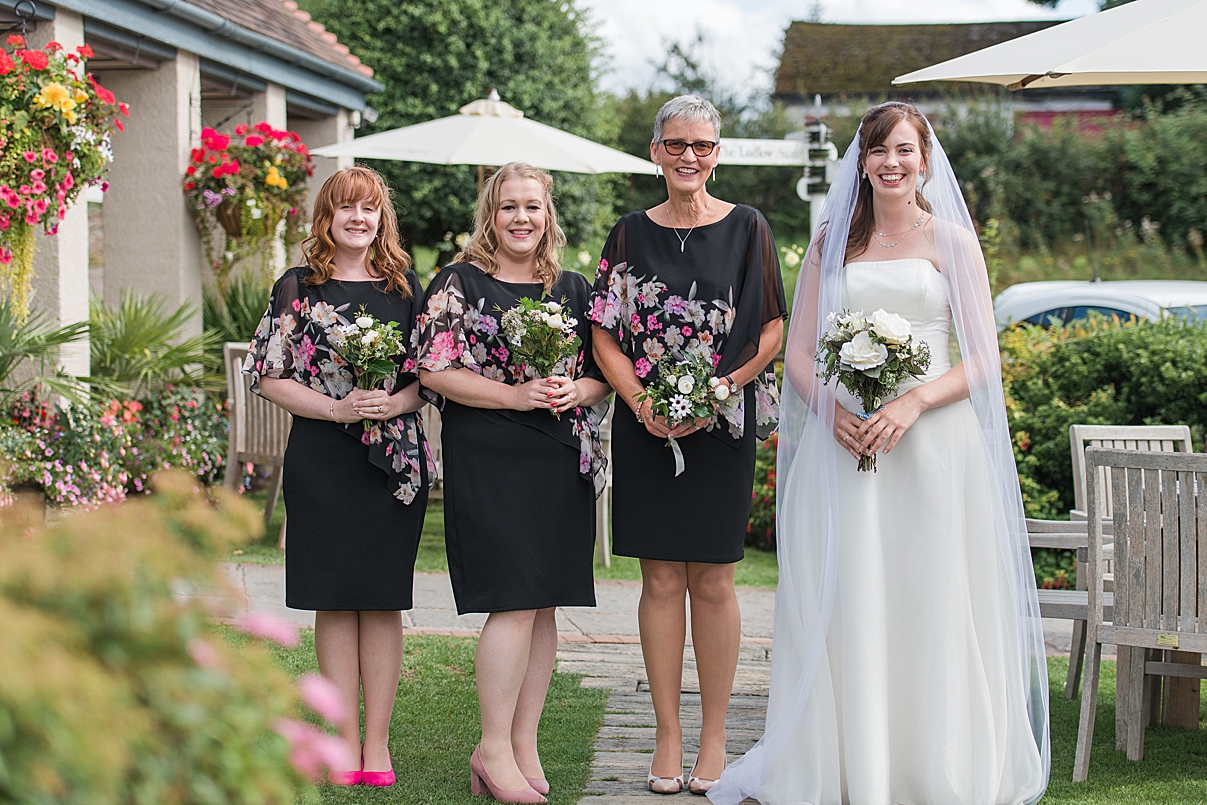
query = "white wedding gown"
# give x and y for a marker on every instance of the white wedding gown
(914, 701)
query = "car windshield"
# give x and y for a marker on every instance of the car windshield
(1188, 312)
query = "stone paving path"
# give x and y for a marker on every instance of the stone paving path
(602, 644)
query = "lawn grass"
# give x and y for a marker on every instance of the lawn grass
(758, 569)
(435, 727)
(1174, 769)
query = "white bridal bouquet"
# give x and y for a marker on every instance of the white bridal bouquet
(542, 337)
(368, 346)
(870, 357)
(685, 389)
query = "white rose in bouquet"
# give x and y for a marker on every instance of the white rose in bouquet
(722, 392)
(364, 322)
(891, 327)
(686, 384)
(672, 381)
(552, 307)
(862, 353)
(555, 321)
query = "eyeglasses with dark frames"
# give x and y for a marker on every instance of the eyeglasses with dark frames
(700, 148)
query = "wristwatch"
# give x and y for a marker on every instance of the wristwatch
(733, 387)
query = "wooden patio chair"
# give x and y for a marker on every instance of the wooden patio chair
(432, 425)
(1154, 438)
(1159, 511)
(259, 430)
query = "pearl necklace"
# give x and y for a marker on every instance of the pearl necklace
(903, 235)
(683, 238)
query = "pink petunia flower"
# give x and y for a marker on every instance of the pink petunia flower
(322, 696)
(269, 627)
(311, 750)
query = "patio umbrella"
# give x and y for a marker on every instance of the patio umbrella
(490, 132)
(1143, 42)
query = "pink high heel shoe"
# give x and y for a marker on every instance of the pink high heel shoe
(377, 778)
(348, 777)
(539, 784)
(480, 784)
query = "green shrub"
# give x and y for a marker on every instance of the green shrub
(760, 530)
(115, 689)
(1150, 373)
(141, 344)
(179, 428)
(231, 312)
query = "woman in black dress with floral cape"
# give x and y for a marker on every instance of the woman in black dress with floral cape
(694, 276)
(357, 466)
(519, 481)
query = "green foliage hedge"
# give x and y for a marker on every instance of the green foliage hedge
(1152, 373)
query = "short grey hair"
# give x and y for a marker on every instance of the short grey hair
(691, 108)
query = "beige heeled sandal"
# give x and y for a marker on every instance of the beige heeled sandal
(666, 785)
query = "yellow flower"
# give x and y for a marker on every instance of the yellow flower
(56, 96)
(80, 96)
(274, 179)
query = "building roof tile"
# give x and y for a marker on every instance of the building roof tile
(862, 60)
(284, 21)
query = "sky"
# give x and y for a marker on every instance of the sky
(743, 37)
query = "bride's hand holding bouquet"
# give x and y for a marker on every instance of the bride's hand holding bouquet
(870, 356)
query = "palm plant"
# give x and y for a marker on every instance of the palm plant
(140, 343)
(29, 354)
(232, 312)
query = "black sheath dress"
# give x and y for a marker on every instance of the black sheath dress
(519, 486)
(356, 498)
(660, 299)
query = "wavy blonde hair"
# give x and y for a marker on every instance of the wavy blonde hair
(484, 241)
(387, 258)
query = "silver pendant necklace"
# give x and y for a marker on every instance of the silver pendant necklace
(683, 238)
(903, 235)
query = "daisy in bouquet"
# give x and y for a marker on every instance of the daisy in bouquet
(685, 389)
(542, 338)
(368, 346)
(870, 357)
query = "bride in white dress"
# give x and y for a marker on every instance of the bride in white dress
(908, 658)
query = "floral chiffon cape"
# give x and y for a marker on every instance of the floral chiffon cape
(293, 342)
(709, 295)
(459, 329)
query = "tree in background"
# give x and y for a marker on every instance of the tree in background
(435, 56)
(770, 189)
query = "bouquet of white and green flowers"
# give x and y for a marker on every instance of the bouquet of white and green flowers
(684, 389)
(870, 357)
(369, 347)
(542, 337)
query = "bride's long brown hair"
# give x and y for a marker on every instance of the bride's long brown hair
(875, 128)
(387, 259)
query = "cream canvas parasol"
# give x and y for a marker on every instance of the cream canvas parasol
(1143, 42)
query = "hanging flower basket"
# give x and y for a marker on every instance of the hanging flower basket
(246, 192)
(55, 125)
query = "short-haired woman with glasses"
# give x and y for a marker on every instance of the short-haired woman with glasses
(699, 276)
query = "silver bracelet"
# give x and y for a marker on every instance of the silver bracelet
(331, 410)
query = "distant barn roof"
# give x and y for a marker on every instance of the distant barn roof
(284, 21)
(862, 60)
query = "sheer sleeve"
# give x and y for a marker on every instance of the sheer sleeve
(763, 256)
(272, 352)
(441, 324)
(615, 289)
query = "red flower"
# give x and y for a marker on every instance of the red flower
(190, 185)
(85, 52)
(124, 108)
(119, 125)
(241, 129)
(253, 141)
(207, 133)
(53, 46)
(6, 63)
(293, 135)
(197, 155)
(31, 156)
(263, 127)
(49, 157)
(190, 170)
(34, 58)
(102, 93)
(16, 41)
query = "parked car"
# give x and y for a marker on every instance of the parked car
(1049, 303)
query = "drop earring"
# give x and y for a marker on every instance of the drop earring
(865, 175)
(657, 170)
(714, 174)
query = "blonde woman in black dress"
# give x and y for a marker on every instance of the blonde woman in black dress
(520, 483)
(694, 275)
(356, 497)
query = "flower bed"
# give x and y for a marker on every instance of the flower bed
(55, 124)
(82, 457)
